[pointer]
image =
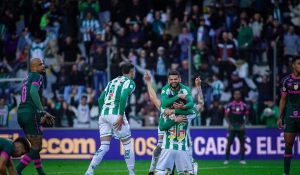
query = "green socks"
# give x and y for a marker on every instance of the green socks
(35, 157)
(227, 155)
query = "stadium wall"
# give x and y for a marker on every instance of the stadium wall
(208, 144)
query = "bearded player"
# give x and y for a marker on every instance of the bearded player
(112, 121)
(290, 95)
(157, 103)
(31, 114)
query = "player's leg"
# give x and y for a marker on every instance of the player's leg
(183, 163)
(156, 153)
(30, 123)
(125, 136)
(242, 136)
(290, 131)
(230, 137)
(105, 138)
(195, 164)
(165, 162)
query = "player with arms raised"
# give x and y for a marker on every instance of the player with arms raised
(290, 95)
(234, 115)
(157, 103)
(112, 121)
(31, 114)
(9, 149)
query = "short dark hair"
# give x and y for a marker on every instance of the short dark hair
(126, 67)
(295, 58)
(25, 142)
(174, 72)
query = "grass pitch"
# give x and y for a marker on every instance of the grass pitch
(207, 167)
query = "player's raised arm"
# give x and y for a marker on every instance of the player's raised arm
(151, 91)
(199, 94)
(282, 103)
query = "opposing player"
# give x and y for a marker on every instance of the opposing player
(290, 95)
(234, 115)
(112, 121)
(31, 114)
(9, 149)
(157, 103)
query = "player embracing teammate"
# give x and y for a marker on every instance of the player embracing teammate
(177, 111)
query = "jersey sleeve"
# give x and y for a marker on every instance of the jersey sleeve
(8, 150)
(227, 109)
(165, 100)
(37, 79)
(165, 123)
(284, 86)
(127, 90)
(190, 101)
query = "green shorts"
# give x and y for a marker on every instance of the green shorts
(240, 134)
(291, 125)
(30, 123)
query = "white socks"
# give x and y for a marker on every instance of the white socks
(98, 156)
(129, 156)
(159, 143)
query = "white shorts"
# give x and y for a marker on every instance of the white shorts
(169, 157)
(106, 127)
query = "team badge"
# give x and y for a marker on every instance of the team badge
(237, 109)
(296, 86)
(163, 91)
(131, 86)
(284, 89)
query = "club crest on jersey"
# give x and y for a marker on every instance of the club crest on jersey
(237, 109)
(121, 79)
(296, 86)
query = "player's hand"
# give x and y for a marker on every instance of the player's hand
(279, 123)
(119, 123)
(198, 82)
(168, 112)
(180, 119)
(48, 118)
(242, 128)
(179, 105)
(231, 128)
(182, 96)
(147, 76)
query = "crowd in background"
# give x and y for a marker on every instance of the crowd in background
(227, 39)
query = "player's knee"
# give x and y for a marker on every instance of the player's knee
(289, 145)
(104, 147)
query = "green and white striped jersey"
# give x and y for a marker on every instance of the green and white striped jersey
(120, 87)
(177, 137)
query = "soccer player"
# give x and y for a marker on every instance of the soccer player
(31, 114)
(112, 120)
(290, 94)
(157, 103)
(234, 115)
(9, 149)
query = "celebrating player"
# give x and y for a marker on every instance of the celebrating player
(157, 103)
(10, 149)
(31, 114)
(112, 121)
(234, 115)
(289, 99)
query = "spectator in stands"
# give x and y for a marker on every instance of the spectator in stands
(148, 111)
(77, 83)
(254, 109)
(11, 43)
(236, 83)
(230, 9)
(88, 6)
(68, 115)
(217, 87)
(291, 43)
(245, 41)
(86, 69)
(22, 44)
(203, 33)
(157, 20)
(184, 72)
(69, 53)
(83, 110)
(47, 107)
(184, 39)
(270, 114)
(257, 27)
(5, 109)
(161, 66)
(104, 13)
(136, 38)
(5, 88)
(99, 70)
(216, 113)
(89, 27)
(62, 80)
(206, 75)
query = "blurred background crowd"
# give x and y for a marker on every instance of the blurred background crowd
(230, 44)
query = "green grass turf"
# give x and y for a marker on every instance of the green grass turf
(207, 167)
